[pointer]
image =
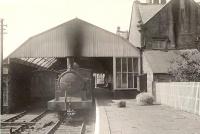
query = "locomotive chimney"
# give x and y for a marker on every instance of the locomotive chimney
(69, 63)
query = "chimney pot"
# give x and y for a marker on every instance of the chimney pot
(118, 29)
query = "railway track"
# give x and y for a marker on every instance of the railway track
(46, 122)
(20, 122)
(79, 123)
(68, 127)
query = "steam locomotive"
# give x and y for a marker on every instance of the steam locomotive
(74, 89)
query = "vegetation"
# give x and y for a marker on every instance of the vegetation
(186, 67)
(144, 99)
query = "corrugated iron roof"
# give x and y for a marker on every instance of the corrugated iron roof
(76, 38)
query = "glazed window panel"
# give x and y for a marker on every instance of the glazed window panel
(124, 65)
(130, 65)
(135, 64)
(118, 80)
(118, 65)
(130, 80)
(124, 80)
(126, 73)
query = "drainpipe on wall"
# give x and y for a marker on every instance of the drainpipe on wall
(141, 30)
(141, 54)
(142, 48)
(141, 61)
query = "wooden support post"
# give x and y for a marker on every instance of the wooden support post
(1, 66)
(114, 73)
(139, 74)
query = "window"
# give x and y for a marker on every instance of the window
(5, 94)
(159, 45)
(126, 73)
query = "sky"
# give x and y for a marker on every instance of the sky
(26, 18)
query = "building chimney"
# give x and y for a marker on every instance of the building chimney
(155, 1)
(149, 1)
(118, 29)
(163, 2)
(123, 34)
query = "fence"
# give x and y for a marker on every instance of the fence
(180, 95)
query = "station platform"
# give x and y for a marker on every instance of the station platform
(134, 119)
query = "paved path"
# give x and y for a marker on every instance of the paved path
(134, 119)
(156, 119)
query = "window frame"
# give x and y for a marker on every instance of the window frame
(135, 81)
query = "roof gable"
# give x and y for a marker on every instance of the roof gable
(141, 13)
(76, 38)
(147, 11)
(177, 23)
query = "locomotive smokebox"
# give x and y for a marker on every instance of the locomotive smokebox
(71, 83)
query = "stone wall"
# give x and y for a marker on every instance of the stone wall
(177, 25)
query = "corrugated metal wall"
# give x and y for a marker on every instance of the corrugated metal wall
(76, 38)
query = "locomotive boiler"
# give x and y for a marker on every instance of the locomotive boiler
(74, 89)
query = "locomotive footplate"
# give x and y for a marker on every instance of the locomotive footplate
(76, 103)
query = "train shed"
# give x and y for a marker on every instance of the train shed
(31, 70)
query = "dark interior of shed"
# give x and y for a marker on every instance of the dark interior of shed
(32, 80)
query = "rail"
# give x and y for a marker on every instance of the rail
(27, 125)
(53, 129)
(83, 128)
(58, 123)
(12, 119)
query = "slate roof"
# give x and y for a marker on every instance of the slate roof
(160, 61)
(141, 14)
(147, 11)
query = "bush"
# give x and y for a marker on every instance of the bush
(186, 66)
(144, 99)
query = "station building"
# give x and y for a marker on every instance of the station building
(133, 60)
(33, 67)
